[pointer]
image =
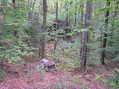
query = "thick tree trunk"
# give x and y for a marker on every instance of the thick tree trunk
(44, 13)
(42, 49)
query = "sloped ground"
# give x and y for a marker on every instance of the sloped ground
(95, 78)
(60, 80)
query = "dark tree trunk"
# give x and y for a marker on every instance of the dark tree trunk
(84, 36)
(44, 13)
(83, 49)
(67, 15)
(104, 41)
(14, 3)
(57, 9)
(75, 15)
(42, 49)
(15, 33)
(57, 27)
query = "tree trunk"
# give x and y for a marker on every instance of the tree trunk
(84, 36)
(67, 15)
(42, 49)
(75, 16)
(57, 27)
(57, 9)
(116, 6)
(82, 14)
(104, 41)
(14, 3)
(83, 49)
(88, 14)
(2, 20)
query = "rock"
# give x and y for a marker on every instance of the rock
(47, 64)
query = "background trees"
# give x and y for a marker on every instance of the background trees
(25, 26)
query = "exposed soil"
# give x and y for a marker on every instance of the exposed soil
(92, 79)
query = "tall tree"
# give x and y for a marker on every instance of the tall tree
(88, 13)
(75, 15)
(84, 35)
(104, 40)
(67, 15)
(82, 14)
(57, 27)
(57, 10)
(44, 29)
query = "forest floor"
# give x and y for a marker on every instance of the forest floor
(92, 79)
(95, 77)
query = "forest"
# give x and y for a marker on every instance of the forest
(59, 44)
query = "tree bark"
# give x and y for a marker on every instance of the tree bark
(67, 15)
(42, 49)
(84, 36)
(83, 49)
(82, 14)
(88, 14)
(75, 22)
(57, 27)
(14, 3)
(104, 41)
(57, 9)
